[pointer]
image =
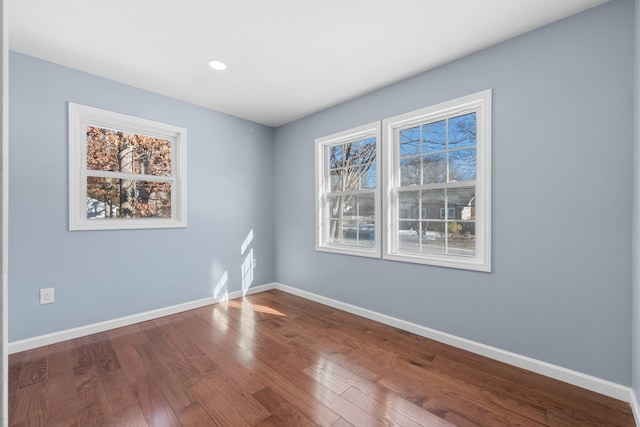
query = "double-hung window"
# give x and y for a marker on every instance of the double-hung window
(125, 172)
(438, 183)
(435, 188)
(348, 219)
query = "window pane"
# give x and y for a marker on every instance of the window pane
(152, 199)
(342, 206)
(113, 150)
(462, 165)
(408, 204)
(335, 177)
(363, 152)
(366, 206)
(103, 197)
(152, 155)
(336, 156)
(351, 177)
(462, 238)
(432, 203)
(125, 198)
(103, 146)
(410, 141)
(368, 179)
(434, 136)
(366, 234)
(433, 237)
(408, 236)
(463, 202)
(462, 131)
(335, 206)
(350, 232)
(410, 171)
(435, 168)
(349, 209)
(335, 231)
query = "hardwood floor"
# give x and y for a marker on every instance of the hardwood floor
(274, 359)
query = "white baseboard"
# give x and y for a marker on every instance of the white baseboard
(42, 340)
(579, 379)
(635, 407)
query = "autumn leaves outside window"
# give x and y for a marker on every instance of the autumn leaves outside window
(125, 172)
(139, 165)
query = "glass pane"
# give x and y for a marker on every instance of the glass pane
(432, 203)
(363, 152)
(434, 136)
(351, 177)
(462, 131)
(462, 203)
(152, 199)
(350, 232)
(125, 198)
(335, 206)
(336, 156)
(410, 171)
(408, 204)
(408, 236)
(152, 155)
(366, 206)
(335, 177)
(117, 151)
(433, 237)
(350, 208)
(103, 146)
(368, 179)
(335, 231)
(462, 238)
(410, 141)
(342, 206)
(462, 165)
(366, 234)
(435, 168)
(103, 197)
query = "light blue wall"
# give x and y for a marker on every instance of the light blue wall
(636, 214)
(560, 290)
(103, 275)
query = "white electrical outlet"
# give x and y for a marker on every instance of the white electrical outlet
(46, 296)
(254, 263)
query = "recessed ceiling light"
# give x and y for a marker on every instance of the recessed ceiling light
(217, 65)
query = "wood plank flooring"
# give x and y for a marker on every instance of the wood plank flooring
(273, 359)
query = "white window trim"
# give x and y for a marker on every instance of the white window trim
(81, 116)
(323, 184)
(479, 102)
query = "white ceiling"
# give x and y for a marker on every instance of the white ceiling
(286, 58)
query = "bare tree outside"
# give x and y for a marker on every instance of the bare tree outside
(352, 171)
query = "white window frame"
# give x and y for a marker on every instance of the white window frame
(323, 189)
(480, 103)
(81, 116)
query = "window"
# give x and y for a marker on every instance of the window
(124, 172)
(348, 192)
(438, 183)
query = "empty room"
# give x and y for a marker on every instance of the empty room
(340, 213)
